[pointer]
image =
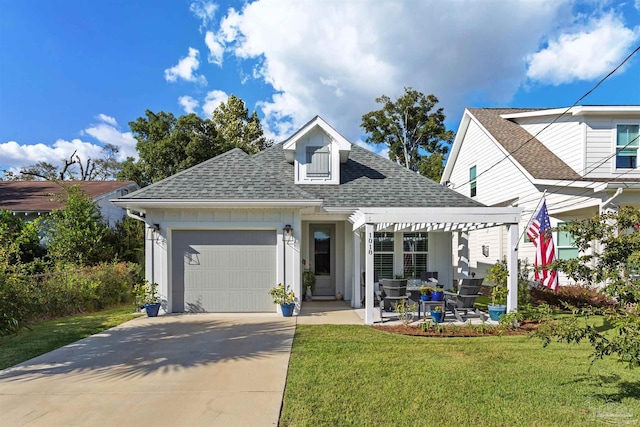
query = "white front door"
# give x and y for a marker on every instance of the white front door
(322, 251)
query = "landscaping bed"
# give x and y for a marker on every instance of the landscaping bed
(445, 331)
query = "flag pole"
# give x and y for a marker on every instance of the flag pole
(529, 222)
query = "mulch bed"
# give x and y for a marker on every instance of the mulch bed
(458, 330)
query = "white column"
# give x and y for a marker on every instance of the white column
(512, 266)
(356, 294)
(463, 255)
(369, 274)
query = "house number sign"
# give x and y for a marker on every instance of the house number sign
(370, 243)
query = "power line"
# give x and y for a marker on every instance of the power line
(554, 120)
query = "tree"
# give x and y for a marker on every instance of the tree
(76, 233)
(417, 138)
(19, 240)
(74, 168)
(616, 265)
(167, 145)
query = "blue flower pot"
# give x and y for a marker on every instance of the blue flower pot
(437, 295)
(152, 309)
(287, 309)
(425, 297)
(495, 311)
(436, 316)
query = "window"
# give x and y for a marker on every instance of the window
(383, 255)
(318, 161)
(472, 180)
(566, 244)
(627, 146)
(415, 248)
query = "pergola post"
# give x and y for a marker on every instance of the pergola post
(512, 266)
(368, 274)
(357, 289)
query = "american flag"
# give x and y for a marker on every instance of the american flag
(545, 249)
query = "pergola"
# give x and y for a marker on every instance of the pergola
(443, 219)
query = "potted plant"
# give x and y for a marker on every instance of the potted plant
(498, 275)
(309, 283)
(284, 297)
(438, 293)
(437, 313)
(147, 296)
(425, 293)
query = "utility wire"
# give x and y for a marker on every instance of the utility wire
(556, 119)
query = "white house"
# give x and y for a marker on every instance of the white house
(30, 199)
(223, 232)
(585, 158)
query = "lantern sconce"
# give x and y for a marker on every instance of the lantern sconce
(485, 250)
(287, 233)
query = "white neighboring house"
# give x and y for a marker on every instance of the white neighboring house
(586, 159)
(30, 199)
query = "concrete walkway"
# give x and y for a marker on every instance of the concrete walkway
(177, 370)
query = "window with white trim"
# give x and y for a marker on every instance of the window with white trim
(472, 181)
(627, 146)
(415, 254)
(318, 160)
(383, 255)
(566, 244)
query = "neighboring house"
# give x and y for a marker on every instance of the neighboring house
(30, 199)
(223, 232)
(586, 159)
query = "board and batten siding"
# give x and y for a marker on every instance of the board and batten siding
(564, 138)
(601, 144)
(158, 244)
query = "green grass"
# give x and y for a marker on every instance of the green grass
(356, 375)
(51, 334)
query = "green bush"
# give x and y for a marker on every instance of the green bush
(25, 297)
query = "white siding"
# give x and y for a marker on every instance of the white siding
(564, 138)
(601, 147)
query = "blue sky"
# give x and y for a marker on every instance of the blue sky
(74, 73)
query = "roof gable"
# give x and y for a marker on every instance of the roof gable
(289, 145)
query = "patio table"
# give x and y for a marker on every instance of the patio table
(427, 306)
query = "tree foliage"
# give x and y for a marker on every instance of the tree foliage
(19, 240)
(168, 144)
(76, 233)
(417, 137)
(73, 168)
(614, 262)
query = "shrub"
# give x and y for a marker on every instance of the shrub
(574, 295)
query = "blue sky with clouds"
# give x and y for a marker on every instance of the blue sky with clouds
(73, 73)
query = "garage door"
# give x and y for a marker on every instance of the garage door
(223, 270)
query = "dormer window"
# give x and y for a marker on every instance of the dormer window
(318, 161)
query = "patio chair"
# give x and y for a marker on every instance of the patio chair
(426, 275)
(377, 293)
(464, 301)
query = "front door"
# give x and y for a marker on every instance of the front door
(322, 258)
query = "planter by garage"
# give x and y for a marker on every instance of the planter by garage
(152, 309)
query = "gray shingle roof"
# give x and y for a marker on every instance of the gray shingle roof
(368, 180)
(230, 176)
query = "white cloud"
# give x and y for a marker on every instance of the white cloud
(584, 55)
(216, 48)
(205, 11)
(212, 101)
(334, 59)
(188, 103)
(185, 69)
(107, 119)
(15, 155)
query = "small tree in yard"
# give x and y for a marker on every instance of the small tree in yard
(615, 264)
(76, 234)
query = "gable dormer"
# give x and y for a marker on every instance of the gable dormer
(317, 151)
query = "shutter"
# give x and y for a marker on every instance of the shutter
(317, 161)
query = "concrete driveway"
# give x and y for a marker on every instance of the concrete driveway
(177, 370)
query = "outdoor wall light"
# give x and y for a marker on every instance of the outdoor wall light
(287, 233)
(155, 227)
(485, 250)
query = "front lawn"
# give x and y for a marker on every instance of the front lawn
(51, 334)
(356, 375)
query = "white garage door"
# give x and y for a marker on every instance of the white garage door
(223, 270)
